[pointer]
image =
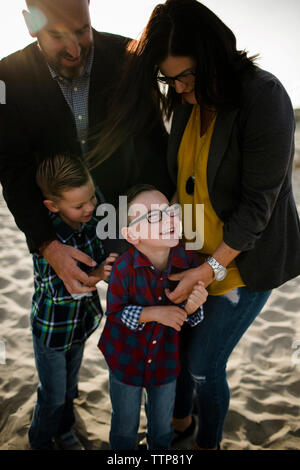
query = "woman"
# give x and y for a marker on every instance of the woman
(231, 148)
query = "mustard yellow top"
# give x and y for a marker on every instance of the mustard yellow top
(192, 161)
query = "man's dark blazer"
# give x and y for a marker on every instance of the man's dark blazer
(36, 121)
(249, 177)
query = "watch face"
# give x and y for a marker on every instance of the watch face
(220, 275)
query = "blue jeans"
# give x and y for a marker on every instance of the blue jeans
(205, 350)
(126, 408)
(58, 373)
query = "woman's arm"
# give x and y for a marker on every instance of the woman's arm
(223, 254)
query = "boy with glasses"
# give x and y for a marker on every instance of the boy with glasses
(140, 340)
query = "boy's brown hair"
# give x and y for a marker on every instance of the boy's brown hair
(134, 191)
(60, 173)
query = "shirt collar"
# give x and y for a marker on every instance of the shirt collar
(65, 231)
(86, 73)
(177, 258)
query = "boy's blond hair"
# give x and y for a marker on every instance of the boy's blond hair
(60, 173)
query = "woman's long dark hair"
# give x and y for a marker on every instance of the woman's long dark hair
(177, 28)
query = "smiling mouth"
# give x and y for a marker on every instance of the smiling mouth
(171, 231)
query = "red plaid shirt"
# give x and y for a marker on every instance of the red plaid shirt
(143, 354)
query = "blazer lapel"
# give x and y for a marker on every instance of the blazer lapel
(219, 143)
(179, 123)
(48, 89)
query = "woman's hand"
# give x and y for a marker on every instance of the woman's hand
(188, 279)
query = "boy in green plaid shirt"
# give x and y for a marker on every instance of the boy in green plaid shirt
(61, 322)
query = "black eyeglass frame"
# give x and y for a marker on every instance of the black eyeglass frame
(167, 211)
(171, 80)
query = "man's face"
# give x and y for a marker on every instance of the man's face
(66, 38)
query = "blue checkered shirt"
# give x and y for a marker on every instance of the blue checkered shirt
(58, 318)
(76, 93)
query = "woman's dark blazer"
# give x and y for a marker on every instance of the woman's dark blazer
(249, 178)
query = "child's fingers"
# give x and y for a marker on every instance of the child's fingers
(200, 290)
(110, 259)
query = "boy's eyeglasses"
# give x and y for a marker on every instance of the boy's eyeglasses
(187, 78)
(156, 215)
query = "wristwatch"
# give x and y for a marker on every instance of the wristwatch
(219, 271)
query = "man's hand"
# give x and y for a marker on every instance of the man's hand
(102, 273)
(168, 315)
(63, 259)
(197, 297)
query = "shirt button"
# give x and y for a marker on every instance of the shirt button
(80, 117)
(154, 342)
(161, 278)
(83, 142)
(159, 298)
(149, 361)
(152, 267)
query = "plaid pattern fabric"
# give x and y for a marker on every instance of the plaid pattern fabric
(142, 354)
(59, 319)
(76, 93)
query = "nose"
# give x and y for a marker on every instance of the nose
(179, 86)
(73, 47)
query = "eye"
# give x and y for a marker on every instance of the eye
(55, 35)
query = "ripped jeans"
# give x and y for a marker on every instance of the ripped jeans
(205, 350)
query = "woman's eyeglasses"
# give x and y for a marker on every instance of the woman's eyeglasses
(156, 215)
(186, 78)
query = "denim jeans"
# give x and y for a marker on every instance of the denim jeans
(205, 350)
(126, 408)
(58, 373)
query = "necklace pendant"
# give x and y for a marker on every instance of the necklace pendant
(190, 185)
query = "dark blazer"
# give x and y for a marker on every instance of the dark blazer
(37, 121)
(249, 177)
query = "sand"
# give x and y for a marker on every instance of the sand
(263, 371)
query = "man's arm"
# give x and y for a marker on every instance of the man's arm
(25, 202)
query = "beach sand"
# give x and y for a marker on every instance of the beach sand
(263, 371)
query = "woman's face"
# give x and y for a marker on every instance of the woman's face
(180, 73)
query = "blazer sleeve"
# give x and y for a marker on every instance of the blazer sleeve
(267, 129)
(17, 176)
(18, 169)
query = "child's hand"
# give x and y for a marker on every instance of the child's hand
(168, 315)
(196, 298)
(107, 266)
(102, 273)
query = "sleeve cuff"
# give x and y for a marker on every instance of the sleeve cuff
(196, 317)
(130, 317)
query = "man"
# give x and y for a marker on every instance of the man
(58, 91)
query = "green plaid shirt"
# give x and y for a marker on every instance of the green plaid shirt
(58, 318)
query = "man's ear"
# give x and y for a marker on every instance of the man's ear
(51, 206)
(129, 236)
